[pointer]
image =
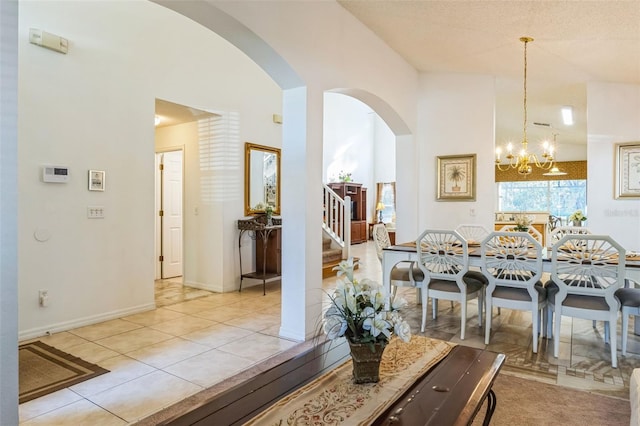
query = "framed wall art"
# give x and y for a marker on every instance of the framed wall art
(627, 170)
(456, 178)
(96, 180)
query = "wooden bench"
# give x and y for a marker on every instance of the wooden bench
(451, 393)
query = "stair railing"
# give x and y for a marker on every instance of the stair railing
(336, 219)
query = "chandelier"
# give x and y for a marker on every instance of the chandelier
(523, 160)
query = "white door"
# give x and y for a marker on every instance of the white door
(171, 218)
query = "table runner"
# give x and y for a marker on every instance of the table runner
(333, 398)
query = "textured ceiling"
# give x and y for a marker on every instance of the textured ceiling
(575, 42)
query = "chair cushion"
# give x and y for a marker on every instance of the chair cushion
(515, 293)
(400, 272)
(629, 296)
(577, 300)
(452, 286)
(478, 276)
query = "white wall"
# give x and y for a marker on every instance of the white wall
(455, 116)
(614, 117)
(94, 109)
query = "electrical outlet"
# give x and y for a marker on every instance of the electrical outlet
(43, 298)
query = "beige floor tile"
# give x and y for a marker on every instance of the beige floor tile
(261, 346)
(62, 340)
(191, 306)
(182, 325)
(154, 317)
(223, 313)
(104, 329)
(92, 352)
(217, 335)
(135, 339)
(205, 369)
(121, 370)
(254, 322)
(81, 412)
(145, 395)
(44, 404)
(168, 352)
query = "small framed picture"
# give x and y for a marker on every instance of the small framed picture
(627, 170)
(456, 177)
(96, 180)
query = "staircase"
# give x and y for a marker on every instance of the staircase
(331, 257)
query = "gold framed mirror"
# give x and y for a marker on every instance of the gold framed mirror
(261, 178)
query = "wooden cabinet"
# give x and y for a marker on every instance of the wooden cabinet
(358, 196)
(271, 255)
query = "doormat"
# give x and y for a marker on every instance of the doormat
(44, 369)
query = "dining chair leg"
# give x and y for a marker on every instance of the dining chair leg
(556, 331)
(424, 295)
(613, 324)
(535, 325)
(434, 307)
(487, 326)
(625, 330)
(607, 332)
(463, 317)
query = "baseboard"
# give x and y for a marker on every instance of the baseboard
(81, 322)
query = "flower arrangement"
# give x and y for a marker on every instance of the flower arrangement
(344, 177)
(268, 210)
(362, 311)
(522, 222)
(577, 216)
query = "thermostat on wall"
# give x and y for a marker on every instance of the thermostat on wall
(55, 174)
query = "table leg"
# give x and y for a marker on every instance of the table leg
(491, 407)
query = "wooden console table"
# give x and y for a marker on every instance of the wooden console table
(268, 259)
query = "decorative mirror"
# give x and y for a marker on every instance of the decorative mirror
(261, 178)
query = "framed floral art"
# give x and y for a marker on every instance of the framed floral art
(627, 170)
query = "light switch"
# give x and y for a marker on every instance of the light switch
(95, 212)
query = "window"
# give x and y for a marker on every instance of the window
(558, 197)
(387, 195)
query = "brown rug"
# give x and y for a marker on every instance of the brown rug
(44, 369)
(527, 403)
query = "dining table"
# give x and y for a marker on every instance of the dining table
(407, 251)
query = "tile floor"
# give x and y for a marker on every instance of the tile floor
(196, 339)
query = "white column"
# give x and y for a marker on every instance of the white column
(301, 213)
(8, 212)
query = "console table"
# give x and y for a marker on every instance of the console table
(267, 238)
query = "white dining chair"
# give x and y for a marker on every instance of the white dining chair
(531, 230)
(443, 257)
(561, 231)
(586, 271)
(472, 232)
(403, 274)
(629, 297)
(512, 262)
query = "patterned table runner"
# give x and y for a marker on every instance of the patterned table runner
(333, 398)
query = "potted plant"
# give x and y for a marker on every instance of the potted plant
(344, 177)
(364, 313)
(522, 222)
(456, 174)
(577, 218)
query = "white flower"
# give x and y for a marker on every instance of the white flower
(362, 310)
(577, 215)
